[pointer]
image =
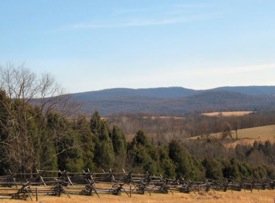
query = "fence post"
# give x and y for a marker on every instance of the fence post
(130, 190)
(36, 194)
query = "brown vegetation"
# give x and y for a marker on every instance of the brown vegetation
(228, 113)
(164, 129)
(266, 196)
(246, 136)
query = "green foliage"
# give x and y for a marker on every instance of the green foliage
(140, 139)
(239, 170)
(96, 123)
(260, 173)
(104, 152)
(87, 144)
(67, 142)
(167, 166)
(142, 155)
(48, 155)
(4, 119)
(213, 169)
(186, 166)
(231, 169)
(120, 148)
(69, 153)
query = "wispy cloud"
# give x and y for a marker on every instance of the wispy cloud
(138, 22)
(148, 16)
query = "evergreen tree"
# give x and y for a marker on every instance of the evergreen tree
(213, 169)
(167, 166)
(120, 148)
(86, 141)
(104, 152)
(69, 153)
(48, 155)
(142, 155)
(95, 124)
(140, 139)
(186, 165)
(67, 141)
(4, 119)
(231, 169)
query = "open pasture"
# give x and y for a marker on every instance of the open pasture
(262, 196)
(246, 136)
(249, 135)
(228, 113)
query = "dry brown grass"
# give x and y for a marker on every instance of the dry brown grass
(228, 113)
(266, 196)
(247, 136)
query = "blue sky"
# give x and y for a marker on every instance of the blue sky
(98, 44)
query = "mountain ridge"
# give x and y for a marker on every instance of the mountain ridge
(157, 92)
(175, 100)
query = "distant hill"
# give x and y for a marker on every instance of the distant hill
(163, 92)
(175, 100)
(250, 90)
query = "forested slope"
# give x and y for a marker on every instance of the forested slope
(175, 100)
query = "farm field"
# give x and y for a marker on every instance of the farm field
(228, 113)
(250, 135)
(263, 196)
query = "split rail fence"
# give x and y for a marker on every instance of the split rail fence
(56, 183)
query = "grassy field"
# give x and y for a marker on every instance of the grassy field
(228, 113)
(249, 135)
(264, 196)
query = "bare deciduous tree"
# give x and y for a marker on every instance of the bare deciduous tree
(23, 144)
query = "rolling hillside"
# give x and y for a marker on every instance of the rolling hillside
(250, 90)
(175, 100)
(246, 136)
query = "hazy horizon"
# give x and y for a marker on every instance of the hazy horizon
(144, 88)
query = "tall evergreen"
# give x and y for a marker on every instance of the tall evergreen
(87, 144)
(104, 152)
(167, 166)
(4, 119)
(69, 153)
(142, 155)
(120, 148)
(213, 168)
(67, 142)
(48, 154)
(186, 165)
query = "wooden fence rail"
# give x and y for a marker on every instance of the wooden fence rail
(57, 183)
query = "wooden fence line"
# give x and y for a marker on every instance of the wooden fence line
(88, 183)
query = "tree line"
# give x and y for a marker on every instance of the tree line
(164, 128)
(41, 135)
